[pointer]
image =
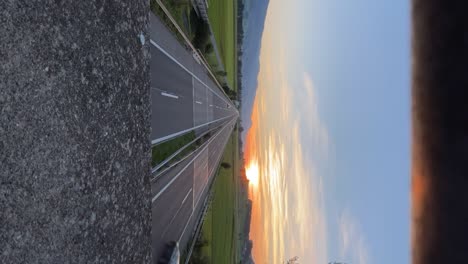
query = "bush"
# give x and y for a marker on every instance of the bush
(225, 165)
(202, 33)
(208, 48)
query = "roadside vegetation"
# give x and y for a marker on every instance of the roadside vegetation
(162, 151)
(156, 9)
(222, 16)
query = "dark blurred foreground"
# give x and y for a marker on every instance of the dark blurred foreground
(440, 132)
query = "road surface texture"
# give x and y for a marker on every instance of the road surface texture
(74, 130)
(179, 193)
(183, 95)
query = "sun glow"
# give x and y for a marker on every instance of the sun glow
(252, 173)
(286, 150)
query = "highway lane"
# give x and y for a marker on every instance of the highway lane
(178, 195)
(171, 96)
(183, 96)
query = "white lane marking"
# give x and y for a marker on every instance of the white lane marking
(196, 57)
(193, 193)
(206, 100)
(170, 95)
(175, 215)
(186, 196)
(198, 102)
(193, 96)
(173, 165)
(165, 92)
(155, 141)
(177, 176)
(183, 67)
(183, 169)
(201, 174)
(186, 225)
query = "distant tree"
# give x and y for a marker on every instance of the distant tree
(202, 33)
(205, 260)
(232, 94)
(226, 89)
(202, 243)
(208, 48)
(221, 73)
(225, 165)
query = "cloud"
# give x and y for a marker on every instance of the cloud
(289, 141)
(316, 130)
(353, 246)
(288, 214)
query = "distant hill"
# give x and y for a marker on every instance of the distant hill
(248, 244)
(253, 23)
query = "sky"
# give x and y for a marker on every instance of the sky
(328, 148)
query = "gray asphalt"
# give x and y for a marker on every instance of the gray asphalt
(179, 193)
(74, 130)
(182, 94)
(183, 97)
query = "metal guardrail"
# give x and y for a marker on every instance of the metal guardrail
(175, 164)
(162, 163)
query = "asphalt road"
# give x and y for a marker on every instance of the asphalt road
(179, 193)
(183, 97)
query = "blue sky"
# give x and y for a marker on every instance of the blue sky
(359, 60)
(347, 70)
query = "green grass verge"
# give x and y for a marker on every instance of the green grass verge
(223, 210)
(222, 15)
(164, 150)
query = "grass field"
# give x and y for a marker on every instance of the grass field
(222, 16)
(223, 210)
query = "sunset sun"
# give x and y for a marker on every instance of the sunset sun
(252, 173)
